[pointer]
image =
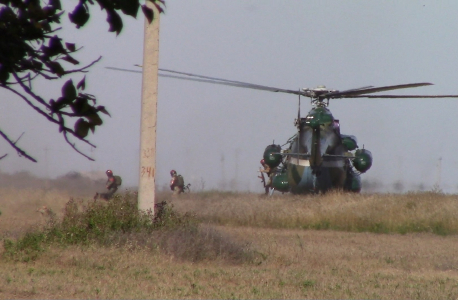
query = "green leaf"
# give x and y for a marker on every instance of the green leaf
(158, 7)
(79, 16)
(69, 91)
(148, 12)
(129, 7)
(92, 127)
(82, 84)
(54, 47)
(25, 64)
(52, 104)
(103, 110)
(45, 25)
(81, 128)
(4, 75)
(70, 59)
(37, 65)
(94, 119)
(59, 103)
(115, 21)
(80, 106)
(70, 47)
(49, 10)
(56, 68)
(55, 4)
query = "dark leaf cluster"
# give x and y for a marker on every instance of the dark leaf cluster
(31, 48)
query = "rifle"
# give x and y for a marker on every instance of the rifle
(187, 188)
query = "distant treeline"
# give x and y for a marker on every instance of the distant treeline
(75, 183)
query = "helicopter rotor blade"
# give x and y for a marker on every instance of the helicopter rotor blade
(356, 89)
(191, 75)
(124, 70)
(235, 84)
(215, 80)
(351, 93)
(405, 96)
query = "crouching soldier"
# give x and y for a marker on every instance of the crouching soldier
(113, 182)
(269, 172)
(176, 183)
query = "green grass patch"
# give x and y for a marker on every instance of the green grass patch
(97, 223)
(119, 223)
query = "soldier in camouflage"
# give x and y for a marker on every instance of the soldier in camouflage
(113, 182)
(269, 172)
(176, 183)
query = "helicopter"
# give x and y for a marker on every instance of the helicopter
(318, 157)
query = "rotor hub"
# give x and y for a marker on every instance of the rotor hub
(317, 92)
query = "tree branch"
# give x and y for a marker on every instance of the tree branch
(61, 122)
(19, 150)
(83, 69)
(29, 91)
(31, 104)
(74, 147)
(66, 129)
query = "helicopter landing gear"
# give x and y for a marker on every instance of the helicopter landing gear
(271, 191)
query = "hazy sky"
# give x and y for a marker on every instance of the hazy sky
(213, 134)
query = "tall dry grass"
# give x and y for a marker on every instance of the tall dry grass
(382, 213)
(297, 264)
(19, 208)
(291, 261)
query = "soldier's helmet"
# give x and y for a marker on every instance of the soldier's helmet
(262, 161)
(109, 172)
(173, 172)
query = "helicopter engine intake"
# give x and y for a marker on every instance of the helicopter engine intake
(280, 182)
(350, 142)
(363, 160)
(272, 155)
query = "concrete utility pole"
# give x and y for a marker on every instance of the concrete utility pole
(147, 181)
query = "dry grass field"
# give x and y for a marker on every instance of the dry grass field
(334, 246)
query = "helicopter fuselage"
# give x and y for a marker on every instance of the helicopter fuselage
(318, 158)
(325, 168)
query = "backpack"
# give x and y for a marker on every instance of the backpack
(180, 181)
(118, 180)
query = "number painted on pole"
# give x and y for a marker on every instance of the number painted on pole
(148, 152)
(147, 172)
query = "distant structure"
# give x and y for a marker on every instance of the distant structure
(222, 185)
(439, 172)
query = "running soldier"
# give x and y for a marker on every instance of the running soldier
(113, 182)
